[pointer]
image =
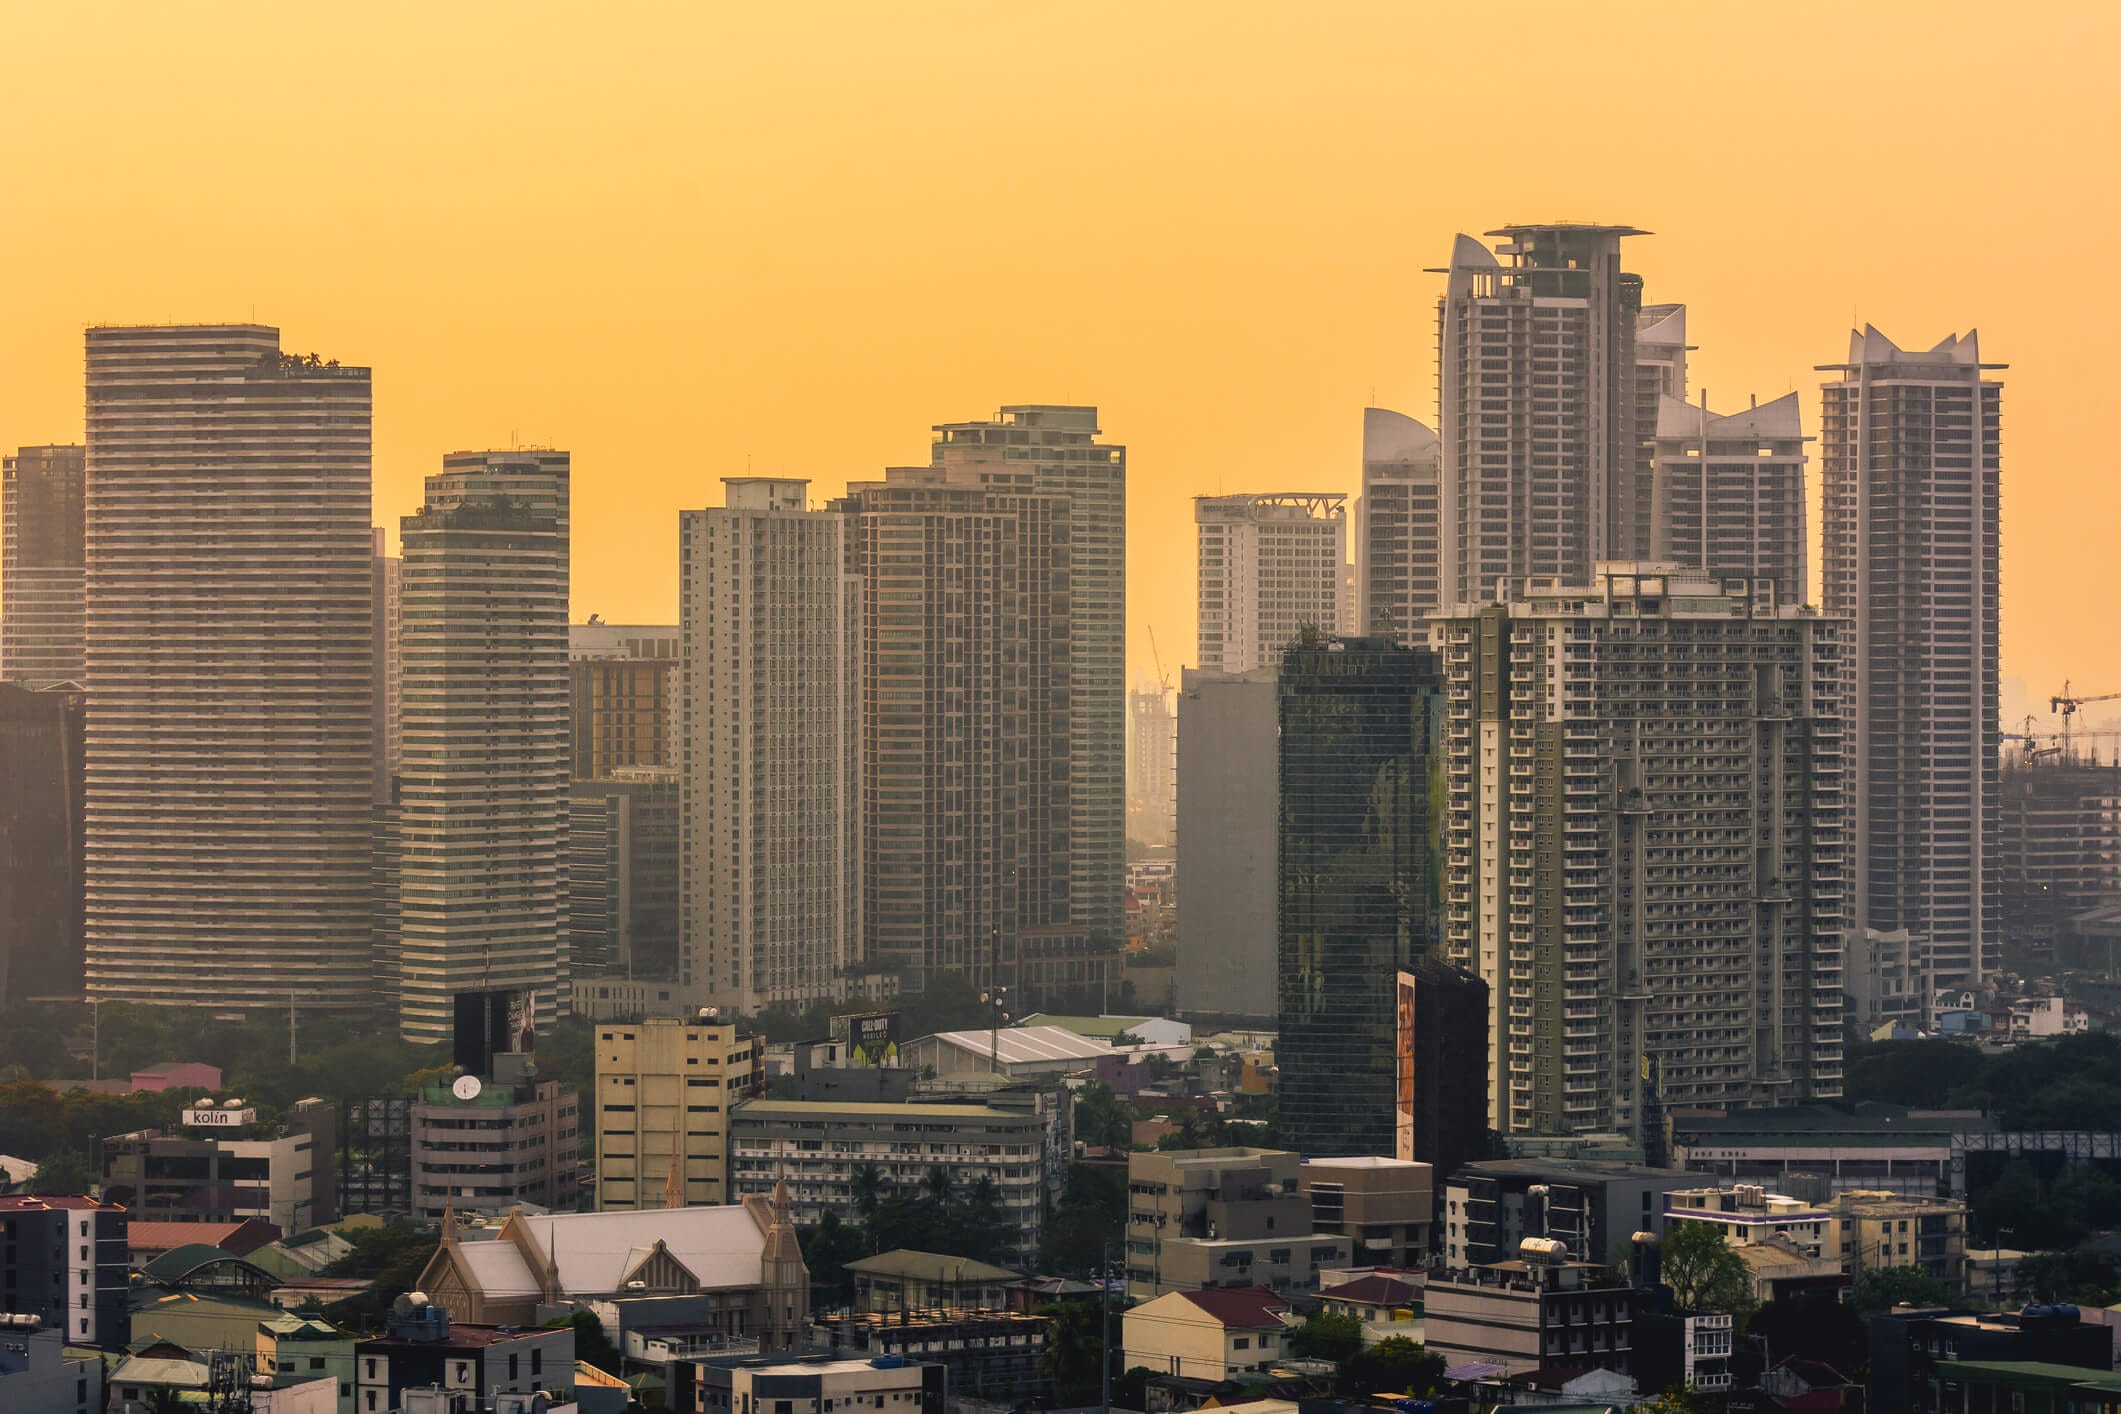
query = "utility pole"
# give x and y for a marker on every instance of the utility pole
(290, 1029)
(1104, 1328)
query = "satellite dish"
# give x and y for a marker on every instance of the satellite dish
(467, 1087)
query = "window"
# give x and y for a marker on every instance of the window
(1243, 1342)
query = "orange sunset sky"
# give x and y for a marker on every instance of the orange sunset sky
(682, 240)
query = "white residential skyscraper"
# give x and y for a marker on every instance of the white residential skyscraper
(1398, 552)
(483, 786)
(1272, 567)
(1644, 845)
(770, 874)
(1538, 387)
(230, 662)
(1727, 492)
(1910, 442)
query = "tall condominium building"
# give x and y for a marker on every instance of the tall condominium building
(1228, 801)
(230, 666)
(1660, 372)
(1910, 443)
(482, 882)
(665, 1089)
(1058, 446)
(387, 609)
(40, 842)
(2058, 844)
(43, 565)
(1398, 553)
(626, 696)
(1152, 780)
(1541, 462)
(1727, 493)
(623, 833)
(1272, 570)
(1643, 845)
(1357, 886)
(967, 727)
(771, 868)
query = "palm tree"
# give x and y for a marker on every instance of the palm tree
(868, 1190)
(937, 1188)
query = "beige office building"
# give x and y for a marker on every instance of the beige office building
(1272, 569)
(664, 1092)
(1398, 529)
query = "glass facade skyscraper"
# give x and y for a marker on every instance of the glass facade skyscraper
(1356, 879)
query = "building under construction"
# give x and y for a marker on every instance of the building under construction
(2058, 845)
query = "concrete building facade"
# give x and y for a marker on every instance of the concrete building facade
(1398, 528)
(63, 1261)
(1909, 443)
(1644, 849)
(221, 1169)
(1198, 1219)
(513, 1140)
(1272, 570)
(625, 696)
(43, 565)
(665, 1093)
(1229, 796)
(771, 869)
(623, 902)
(1152, 769)
(41, 841)
(1727, 493)
(483, 793)
(230, 654)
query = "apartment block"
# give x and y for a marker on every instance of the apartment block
(1727, 493)
(1593, 1208)
(1206, 1218)
(623, 914)
(1383, 1206)
(2058, 843)
(41, 841)
(1398, 528)
(513, 1139)
(1910, 443)
(1229, 794)
(63, 1261)
(1532, 1311)
(665, 1091)
(1644, 848)
(819, 1147)
(229, 621)
(483, 790)
(43, 566)
(221, 1168)
(387, 679)
(1273, 570)
(771, 761)
(1540, 458)
(624, 695)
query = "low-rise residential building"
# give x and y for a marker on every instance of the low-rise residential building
(665, 1089)
(1384, 1207)
(1992, 1274)
(1747, 1213)
(755, 1384)
(1682, 1349)
(1207, 1335)
(1387, 1303)
(987, 1354)
(296, 1350)
(63, 1260)
(1890, 978)
(158, 1365)
(484, 1146)
(742, 1262)
(1852, 1144)
(1541, 1309)
(905, 1280)
(819, 1147)
(1593, 1207)
(1198, 1219)
(2037, 1018)
(421, 1346)
(1912, 1350)
(39, 1376)
(1781, 1270)
(1880, 1230)
(224, 1167)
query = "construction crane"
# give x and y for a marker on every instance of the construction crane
(1163, 679)
(2067, 704)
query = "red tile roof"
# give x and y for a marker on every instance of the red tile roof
(1240, 1307)
(1373, 1291)
(30, 1202)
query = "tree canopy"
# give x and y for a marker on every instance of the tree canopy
(1705, 1272)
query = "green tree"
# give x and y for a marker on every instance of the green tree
(1395, 1365)
(1130, 1390)
(1883, 1288)
(1089, 1221)
(590, 1341)
(1102, 1117)
(828, 1249)
(1072, 1350)
(1325, 1336)
(1705, 1272)
(1675, 1401)
(1816, 1327)
(868, 1187)
(63, 1172)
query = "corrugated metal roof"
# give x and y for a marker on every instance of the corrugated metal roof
(1026, 1045)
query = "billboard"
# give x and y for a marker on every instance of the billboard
(487, 1023)
(1403, 1069)
(208, 1117)
(870, 1038)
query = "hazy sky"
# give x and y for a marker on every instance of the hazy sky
(682, 240)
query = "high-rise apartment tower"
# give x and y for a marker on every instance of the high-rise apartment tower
(43, 565)
(1910, 443)
(1398, 553)
(230, 667)
(1152, 776)
(482, 881)
(1541, 461)
(771, 863)
(1272, 569)
(1644, 845)
(1727, 493)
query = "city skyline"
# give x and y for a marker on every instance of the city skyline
(1276, 270)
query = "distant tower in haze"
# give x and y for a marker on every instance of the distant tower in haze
(1273, 568)
(483, 793)
(1728, 493)
(1152, 778)
(230, 670)
(770, 750)
(43, 565)
(1398, 554)
(1057, 445)
(1541, 463)
(1910, 443)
